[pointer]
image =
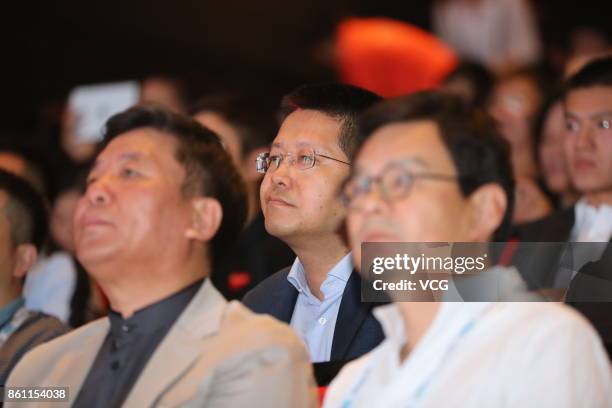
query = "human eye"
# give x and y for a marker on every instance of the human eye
(605, 124)
(129, 172)
(306, 159)
(572, 126)
(275, 158)
(396, 181)
(90, 180)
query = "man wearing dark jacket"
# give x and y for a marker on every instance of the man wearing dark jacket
(320, 294)
(588, 152)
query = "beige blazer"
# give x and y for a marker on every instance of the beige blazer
(217, 354)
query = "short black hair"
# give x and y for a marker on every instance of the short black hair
(339, 101)
(478, 76)
(480, 154)
(597, 72)
(25, 210)
(209, 169)
(255, 125)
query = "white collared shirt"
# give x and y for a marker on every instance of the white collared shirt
(481, 355)
(314, 320)
(592, 224)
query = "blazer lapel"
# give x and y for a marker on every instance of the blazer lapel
(180, 348)
(72, 368)
(284, 303)
(351, 315)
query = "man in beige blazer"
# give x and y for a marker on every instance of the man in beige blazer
(162, 200)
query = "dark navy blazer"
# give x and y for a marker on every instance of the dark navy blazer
(357, 330)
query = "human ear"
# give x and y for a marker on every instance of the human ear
(488, 206)
(26, 255)
(206, 216)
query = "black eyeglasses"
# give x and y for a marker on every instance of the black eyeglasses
(304, 159)
(394, 183)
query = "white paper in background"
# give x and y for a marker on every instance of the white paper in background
(92, 105)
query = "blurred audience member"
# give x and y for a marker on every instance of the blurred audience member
(515, 101)
(320, 294)
(586, 43)
(50, 274)
(83, 300)
(22, 233)
(587, 146)
(77, 150)
(471, 81)
(246, 130)
(390, 57)
(155, 90)
(162, 200)
(549, 131)
(17, 158)
(587, 103)
(163, 91)
(501, 34)
(453, 183)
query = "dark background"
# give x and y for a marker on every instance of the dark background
(264, 46)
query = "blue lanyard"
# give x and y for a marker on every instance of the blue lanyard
(20, 316)
(421, 390)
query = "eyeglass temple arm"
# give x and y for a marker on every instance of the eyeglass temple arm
(334, 159)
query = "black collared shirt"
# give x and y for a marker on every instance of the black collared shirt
(127, 348)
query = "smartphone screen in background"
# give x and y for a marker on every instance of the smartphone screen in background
(92, 105)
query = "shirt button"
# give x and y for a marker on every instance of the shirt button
(125, 328)
(115, 365)
(322, 320)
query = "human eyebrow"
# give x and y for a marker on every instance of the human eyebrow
(412, 160)
(601, 115)
(570, 116)
(132, 157)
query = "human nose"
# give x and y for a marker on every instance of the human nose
(98, 192)
(371, 200)
(281, 175)
(586, 136)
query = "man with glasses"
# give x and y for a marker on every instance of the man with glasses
(319, 295)
(432, 170)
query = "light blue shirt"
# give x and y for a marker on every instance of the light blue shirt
(315, 320)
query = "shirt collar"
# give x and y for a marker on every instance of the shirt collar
(297, 275)
(159, 315)
(592, 224)
(392, 321)
(7, 312)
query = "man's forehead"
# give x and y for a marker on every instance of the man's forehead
(309, 126)
(590, 101)
(138, 145)
(399, 139)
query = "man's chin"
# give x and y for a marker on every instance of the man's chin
(280, 227)
(93, 256)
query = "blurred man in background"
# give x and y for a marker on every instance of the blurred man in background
(22, 232)
(246, 129)
(433, 171)
(588, 152)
